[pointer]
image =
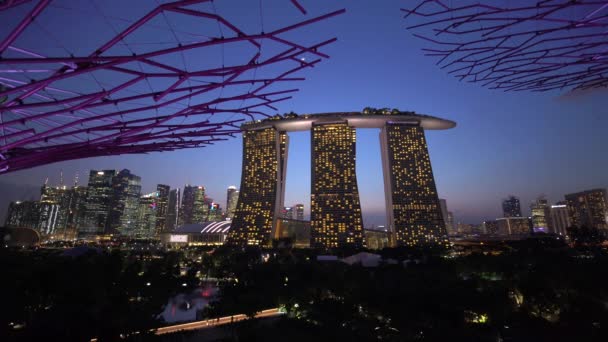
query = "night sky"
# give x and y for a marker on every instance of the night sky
(520, 143)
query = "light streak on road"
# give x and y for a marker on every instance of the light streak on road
(212, 322)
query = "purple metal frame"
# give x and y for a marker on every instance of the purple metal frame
(517, 45)
(42, 121)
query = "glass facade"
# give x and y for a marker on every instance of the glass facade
(413, 210)
(588, 208)
(511, 207)
(162, 204)
(335, 209)
(261, 192)
(99, 196)
(125, 201)
(193, 209)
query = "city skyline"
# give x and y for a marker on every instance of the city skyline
(519, 143)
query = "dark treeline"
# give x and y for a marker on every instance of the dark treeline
(535, 291)
(54, 295)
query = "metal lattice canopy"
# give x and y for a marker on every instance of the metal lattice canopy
(180, 76)
(518, 44)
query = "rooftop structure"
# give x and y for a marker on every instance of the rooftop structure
(368, 118)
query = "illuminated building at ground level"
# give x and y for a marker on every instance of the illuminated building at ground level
(413, 209)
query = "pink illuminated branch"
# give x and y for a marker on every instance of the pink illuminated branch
(537, 46)
(300, 7)
(47, 117)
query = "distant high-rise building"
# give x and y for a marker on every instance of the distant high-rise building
(47, 223)
(450, 224)
(194, 208)
(465, 228)
(162, 206)
(413, 209)
(146, 216)
(335, 210)
(99, 196)
(23, 214)
(215, 212)
(54, 209)
(173, 209)
(490, 227)
(513, 226)
(300, 212)
(287, 213)
(443, 204)
(560, 218)
(231, 201)
(511, 207)
(541, 216)
(124, 204)
(588, 208)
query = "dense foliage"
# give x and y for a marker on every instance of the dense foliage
(63, 296)
(534, 293)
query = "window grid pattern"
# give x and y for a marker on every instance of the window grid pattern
(263, 154)
(413, 198)
(335, 208)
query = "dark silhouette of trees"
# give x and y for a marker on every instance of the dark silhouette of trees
(586, 236)
(97, 294)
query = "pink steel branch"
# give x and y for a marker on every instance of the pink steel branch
(42, 122)
(538, 46)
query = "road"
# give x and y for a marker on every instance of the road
(210, 323)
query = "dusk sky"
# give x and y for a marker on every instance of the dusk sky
(520, 143)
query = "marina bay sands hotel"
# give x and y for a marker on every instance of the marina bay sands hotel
(413, 213)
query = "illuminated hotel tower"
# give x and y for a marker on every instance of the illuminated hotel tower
(335, 209)
(412, 205)
(262, 187)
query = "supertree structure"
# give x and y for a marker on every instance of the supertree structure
(517, 45)
(180, 76)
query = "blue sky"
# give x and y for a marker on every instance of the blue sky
(521, 143)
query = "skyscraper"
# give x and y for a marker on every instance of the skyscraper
(24, 214)
(126, 189)
(450, 228)
(193, 209)
(335, 214)
(232, 198)
(173, 210)
(287, 213)
(300, 212)
(510, 207)
(146, 216)
(588, 208)
(444, 213)
(162, 205)
(560, 218)
(413, 209)
(261, 193)
(99, 196)
(541, 216)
